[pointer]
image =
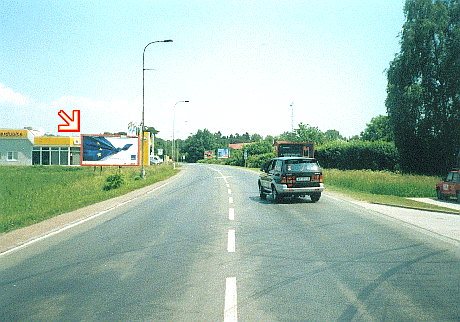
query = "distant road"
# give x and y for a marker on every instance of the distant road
(206, 248)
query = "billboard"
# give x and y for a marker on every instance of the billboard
(105, 150)
(223, 153)
(209, 155)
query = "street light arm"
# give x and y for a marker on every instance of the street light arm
(169, 40)
(181, 102)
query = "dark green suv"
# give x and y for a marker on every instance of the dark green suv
(291, 176)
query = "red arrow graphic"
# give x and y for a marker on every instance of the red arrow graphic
(72, 124)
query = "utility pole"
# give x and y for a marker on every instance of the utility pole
(292, 117)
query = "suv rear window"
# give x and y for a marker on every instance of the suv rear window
(301, 166)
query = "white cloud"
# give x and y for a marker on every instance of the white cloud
(9, 96)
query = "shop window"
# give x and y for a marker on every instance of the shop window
(46, 156)
(54, 156)
(74, 156)
(64, 156)
(36, 158)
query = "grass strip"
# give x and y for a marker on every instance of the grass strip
(31, 194)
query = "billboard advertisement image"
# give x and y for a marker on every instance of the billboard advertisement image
(103, 150)
(223, 153)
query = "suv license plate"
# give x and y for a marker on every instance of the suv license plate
(303, 179)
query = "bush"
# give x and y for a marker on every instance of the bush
(113, 182)
(257, 161)
(358, 155)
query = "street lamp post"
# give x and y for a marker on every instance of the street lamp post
(174, 123)
(143, 100)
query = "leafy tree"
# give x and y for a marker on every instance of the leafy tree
(256, 137)
(423, 100)
(378, 129)
(354, 138)
(287, 136)
(246, 138)
(307, 133)
(270, 139)
(196, 144)
(162, 144)
(333, 135)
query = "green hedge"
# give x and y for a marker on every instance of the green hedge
(237, 159)
(358, 155)
(258, 160)
(355, 155)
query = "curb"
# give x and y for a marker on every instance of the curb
(415, 208)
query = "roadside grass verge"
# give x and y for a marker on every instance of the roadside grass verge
(31, 194)
(382, 183)
(384, 187)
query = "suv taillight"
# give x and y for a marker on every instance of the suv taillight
(317, 178)
(289, 180)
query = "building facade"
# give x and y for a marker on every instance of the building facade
(24, 147)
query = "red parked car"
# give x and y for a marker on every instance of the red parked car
(449, 187)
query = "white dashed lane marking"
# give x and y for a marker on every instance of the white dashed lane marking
(230, 313)
(231, 241)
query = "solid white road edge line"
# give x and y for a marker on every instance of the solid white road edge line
(230, 313)
(231, 241)
(76, 223)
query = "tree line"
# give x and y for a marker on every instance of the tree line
(192, 149)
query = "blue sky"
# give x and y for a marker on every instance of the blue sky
(239, 63)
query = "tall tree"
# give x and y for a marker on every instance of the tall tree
(307, 133)
(196, 144)
(423, 101)
(333, 135)
(378, 129)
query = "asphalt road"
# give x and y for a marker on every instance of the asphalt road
(205, 247)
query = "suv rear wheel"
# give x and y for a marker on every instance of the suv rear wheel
(439, 194)
(262, 194)
(315, 197)
(276, 196)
